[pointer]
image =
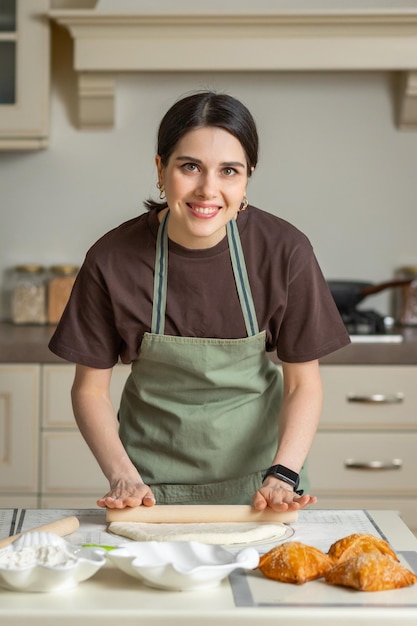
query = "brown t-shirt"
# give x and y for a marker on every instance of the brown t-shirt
(111, 303)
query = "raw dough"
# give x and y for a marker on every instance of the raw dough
(226, 533)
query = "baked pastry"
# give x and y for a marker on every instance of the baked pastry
(356, 544)
(370, 572)
(294, 562)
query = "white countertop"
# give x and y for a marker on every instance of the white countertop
(112, 597)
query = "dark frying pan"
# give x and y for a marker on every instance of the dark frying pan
(348, 294)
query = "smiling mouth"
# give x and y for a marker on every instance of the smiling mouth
(202, 210)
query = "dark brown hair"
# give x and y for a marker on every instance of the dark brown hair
(202, 109)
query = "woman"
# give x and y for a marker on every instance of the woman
(194, 294)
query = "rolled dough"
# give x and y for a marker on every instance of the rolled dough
(225, 533)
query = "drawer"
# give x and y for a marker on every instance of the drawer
(69, 467)
(377, 397)
(364, 463)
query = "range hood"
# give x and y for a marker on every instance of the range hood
(157, 36)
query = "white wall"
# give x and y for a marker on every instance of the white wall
(332, 162)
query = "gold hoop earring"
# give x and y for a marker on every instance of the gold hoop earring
(162, 195)
(244, 204)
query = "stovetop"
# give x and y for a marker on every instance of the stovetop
(366, 322)
(369, 326)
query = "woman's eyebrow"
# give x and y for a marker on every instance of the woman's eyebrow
(199, 161)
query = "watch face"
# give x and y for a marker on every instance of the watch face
(284, 474)
(285, 479)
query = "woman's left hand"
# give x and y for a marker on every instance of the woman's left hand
(274, 495)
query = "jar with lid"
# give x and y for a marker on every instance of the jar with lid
(61, 282)
(29, 294)
(406, 297)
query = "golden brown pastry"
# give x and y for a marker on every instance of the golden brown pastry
(294, 562)
(370, 572)
(357, 544)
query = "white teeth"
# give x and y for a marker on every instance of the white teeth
(204, 210)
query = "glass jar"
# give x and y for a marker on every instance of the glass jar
(406, 296)
(61, 282)
(29, 294)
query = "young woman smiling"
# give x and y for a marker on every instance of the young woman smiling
(194, 294)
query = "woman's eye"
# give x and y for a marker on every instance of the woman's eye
(190, 167)
(229, 171)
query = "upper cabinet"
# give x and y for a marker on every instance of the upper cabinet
(113, 36)
(24, 74)
(239, 35)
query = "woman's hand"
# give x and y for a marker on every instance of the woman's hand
(124, 494)
(279, 497)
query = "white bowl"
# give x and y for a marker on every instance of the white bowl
(182, 565)
(68, 564)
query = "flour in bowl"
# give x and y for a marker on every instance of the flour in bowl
(29, 556)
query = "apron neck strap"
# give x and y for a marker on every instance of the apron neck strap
(239, 272)
(160, 278)
(241, 278)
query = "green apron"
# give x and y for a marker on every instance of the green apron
(199, 416)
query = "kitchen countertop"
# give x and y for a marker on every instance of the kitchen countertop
(26, 344)
(245, 597)
(29, 344)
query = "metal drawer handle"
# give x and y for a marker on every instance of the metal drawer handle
(374, 465)
(377, 398)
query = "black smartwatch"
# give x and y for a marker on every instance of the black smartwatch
(286, 475)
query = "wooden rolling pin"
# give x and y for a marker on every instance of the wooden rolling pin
(60, 527)
(195, 513)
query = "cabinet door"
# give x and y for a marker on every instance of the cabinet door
(68, 468)
(57, 381)
(19, 428)
(24, 74)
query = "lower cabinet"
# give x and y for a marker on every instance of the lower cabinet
(19, 434)
(70, 477)
(365, 453)
(44, 461)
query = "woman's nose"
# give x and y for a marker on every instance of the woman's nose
(207, 187)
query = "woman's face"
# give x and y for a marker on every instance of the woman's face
(205, 182)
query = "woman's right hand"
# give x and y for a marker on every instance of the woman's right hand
(125, 493)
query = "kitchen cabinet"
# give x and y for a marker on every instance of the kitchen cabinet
(19, 434)
(43, 457)
(364, 454)
(69, 474)
(24, 74)
(155, 37)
